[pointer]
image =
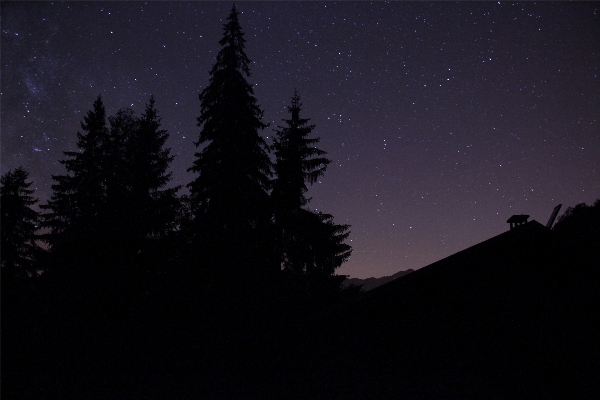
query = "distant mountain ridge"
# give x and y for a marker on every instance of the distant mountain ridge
(372, 283)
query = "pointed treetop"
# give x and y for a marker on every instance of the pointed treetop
(99, 105)
(95, 117)
(234, 168)
(18, 224)
(294, 109)
(14, 184)
(232, 55)
(150, 113)
(299, 162)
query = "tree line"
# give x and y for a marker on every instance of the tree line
(151, 293)
(245, 221)
(124, 284)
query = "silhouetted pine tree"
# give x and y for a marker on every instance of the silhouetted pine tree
(119, 177)
(78, 198)
(19, 224)
(150, 162)
(139, 205)
(229, 196)
(119, 228)
(308, 243)
(298, 163)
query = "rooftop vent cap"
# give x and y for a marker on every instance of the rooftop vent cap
(517, 220)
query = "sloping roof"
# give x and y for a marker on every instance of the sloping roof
(506, 318)
(493, 250)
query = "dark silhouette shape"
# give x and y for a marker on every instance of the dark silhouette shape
(579, 229)
(229, 199)
(19, 225)
(112, 199)
(302, 235)
(553, 216)
(517, 220)
(512, 317)
(309, 246)
(74, 218)
(581, 220)
(141, 210)
(153, 296)
(299, 162)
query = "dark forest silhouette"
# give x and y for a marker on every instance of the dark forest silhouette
(231, 291)
(130, 270)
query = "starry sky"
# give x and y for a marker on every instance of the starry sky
(441, 119)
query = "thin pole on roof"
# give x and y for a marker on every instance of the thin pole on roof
(553, 216)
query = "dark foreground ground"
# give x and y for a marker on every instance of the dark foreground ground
(515, 317)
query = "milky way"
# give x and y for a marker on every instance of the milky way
(442, 119)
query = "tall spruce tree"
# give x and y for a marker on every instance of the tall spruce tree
(139, 205)
(117, 170)
(229, 196)
(78, 198)
(119, 226)
(299, 162)
(307, 242)
(150, 161)
(19, 224)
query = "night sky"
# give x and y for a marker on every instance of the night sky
(441, 119)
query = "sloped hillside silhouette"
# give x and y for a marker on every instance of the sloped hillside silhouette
(515, 316)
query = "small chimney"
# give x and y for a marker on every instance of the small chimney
(517, 220)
